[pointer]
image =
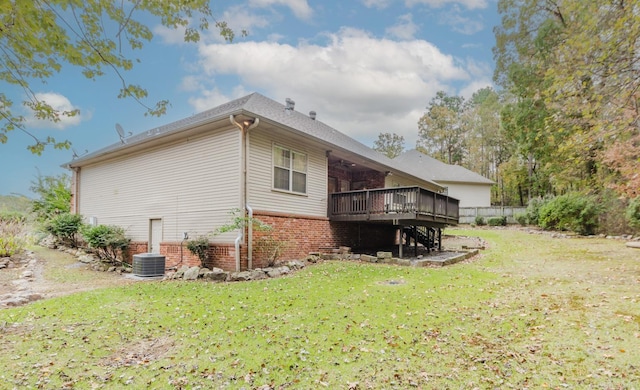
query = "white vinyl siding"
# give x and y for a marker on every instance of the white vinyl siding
(191, 184)
(261, 192)
(469, 195)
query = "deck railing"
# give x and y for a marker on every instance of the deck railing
(393, 203)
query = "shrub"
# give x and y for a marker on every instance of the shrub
(65, 228)
(13, 216)
(497, 221)
(521, 219)
(200, 247)
(633, 213)
(533, 209)
(108, 241)
(54, 196)
(12, 237)
(479, 220)
(270, 248)
(574, 211)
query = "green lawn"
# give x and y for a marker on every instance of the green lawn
(531, 312)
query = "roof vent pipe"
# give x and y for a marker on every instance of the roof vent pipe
(290, 104)
(312, 115)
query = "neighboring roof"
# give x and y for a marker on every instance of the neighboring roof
(439, 171)
(257, 105)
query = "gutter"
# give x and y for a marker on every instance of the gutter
(244, 127)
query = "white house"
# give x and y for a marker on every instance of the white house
(316, 187)
(472, 189)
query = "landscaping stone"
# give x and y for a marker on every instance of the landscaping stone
(87, 259)
(191, 273)
(295, 264)
(384, 255)
(241, 276)
(369, 258)
(180, 272)
(258, 274)
(633, 244)
(277, 271)
(216, 275)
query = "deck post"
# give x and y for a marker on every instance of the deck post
(415, 240)
(439, 239)
(400, 242)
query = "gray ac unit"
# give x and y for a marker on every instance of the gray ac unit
(148, 264)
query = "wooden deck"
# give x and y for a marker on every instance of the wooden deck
(398, 205)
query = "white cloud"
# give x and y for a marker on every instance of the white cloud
(359, 84)
(61, 104)
(212, 98)
(462, 24)
(380, 4)
(300, 8)
(470, 4)
(404, 29)
(169, 35)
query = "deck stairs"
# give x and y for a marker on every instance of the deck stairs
(423, 235)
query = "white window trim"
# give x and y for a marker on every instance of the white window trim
(291, 170)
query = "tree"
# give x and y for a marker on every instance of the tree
(440, 129)
(39, 37)
(571, 68)
(54, 194)
(391, 145)
(485, 146)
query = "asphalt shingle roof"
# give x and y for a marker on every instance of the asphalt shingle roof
(264, 108)
(438, 171)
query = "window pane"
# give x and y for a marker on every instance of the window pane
(281, 157)
(299, 162)
(299, 182)
(281, 178)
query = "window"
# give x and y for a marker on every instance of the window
(289, 170)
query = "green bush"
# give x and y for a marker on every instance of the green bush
(497, 221)
(200, 247)
(480, 220)
(65, 227)
(574, 211)
(109, 242)
(533, 209)
(521, 219)
(54, 196)
(633, 213)
(13, 216)
(12, 237)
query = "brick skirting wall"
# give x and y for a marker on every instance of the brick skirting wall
(302, 235)
(176, 255)
(296, 235)
(299, 235)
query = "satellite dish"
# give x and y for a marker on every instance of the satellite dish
(121, 134)
(76, 155)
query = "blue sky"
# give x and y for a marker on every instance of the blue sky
(365, 67)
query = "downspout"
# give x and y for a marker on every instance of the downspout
(244, 127)
(75, 189)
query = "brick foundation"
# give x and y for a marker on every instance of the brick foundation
(299, 235)
(176, 255)
(295, 235)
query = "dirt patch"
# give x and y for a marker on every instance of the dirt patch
(140, 353)
(47, 273)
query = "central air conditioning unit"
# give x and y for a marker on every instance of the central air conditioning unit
(148, 264)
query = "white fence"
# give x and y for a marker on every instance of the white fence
(469, 214)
